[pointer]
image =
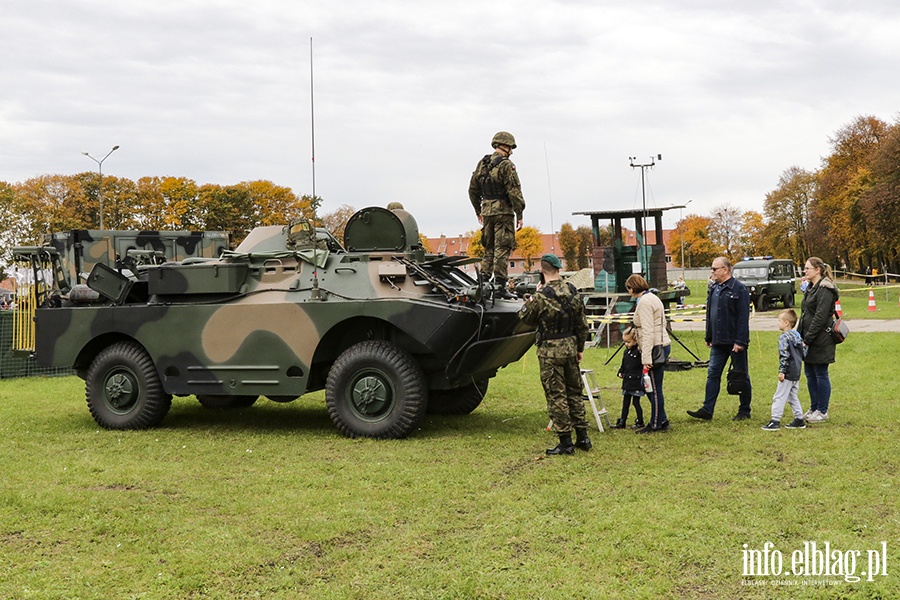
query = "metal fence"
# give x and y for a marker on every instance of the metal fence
(19, 364)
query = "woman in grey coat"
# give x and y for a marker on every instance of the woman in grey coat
(815, 328)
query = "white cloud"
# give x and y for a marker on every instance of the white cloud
(407, 95)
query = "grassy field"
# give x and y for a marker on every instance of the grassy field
(269, 502)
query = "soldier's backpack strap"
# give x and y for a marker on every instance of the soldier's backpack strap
(489, 190)
(564, 320)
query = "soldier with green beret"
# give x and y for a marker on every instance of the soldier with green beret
(496, 196)
(562, 330)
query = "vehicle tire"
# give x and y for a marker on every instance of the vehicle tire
(788, 300)
(460, 401)
(762, 303)
(375, 389)
(224, 402)
(123, 389)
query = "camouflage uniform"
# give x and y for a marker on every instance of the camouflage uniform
(499, 214)
(559, 342)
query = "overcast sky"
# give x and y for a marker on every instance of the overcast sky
(408, 94)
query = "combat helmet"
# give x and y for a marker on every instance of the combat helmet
(503, 138)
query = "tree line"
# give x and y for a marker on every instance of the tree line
(50, 203)
(846, 211)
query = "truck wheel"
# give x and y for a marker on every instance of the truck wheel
(123, 389)
(224, 402)
(375, 389)
(762, 303)
(788, 300)
(460, 401)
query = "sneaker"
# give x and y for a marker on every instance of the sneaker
(797, 423)
(816, 417)
(741, 416)
(773, 425)
(807, 414)
(638, 424)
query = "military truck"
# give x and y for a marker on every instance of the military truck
(769, 280)
(385, 329)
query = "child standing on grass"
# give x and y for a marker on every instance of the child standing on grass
(790, 353)
(631, 373)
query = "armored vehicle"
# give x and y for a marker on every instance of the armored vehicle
(768, 280)
(385, 329)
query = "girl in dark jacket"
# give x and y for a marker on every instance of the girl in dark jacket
(631, 373)
(814, 326)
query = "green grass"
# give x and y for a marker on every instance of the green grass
(270, 502)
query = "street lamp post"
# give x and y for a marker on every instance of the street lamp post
(681, 231)
(643, 167)
(100, 172)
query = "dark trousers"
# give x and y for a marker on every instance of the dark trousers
(718, 358)
(657, 401)
(627, 401)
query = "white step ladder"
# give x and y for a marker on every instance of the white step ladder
(591, 393)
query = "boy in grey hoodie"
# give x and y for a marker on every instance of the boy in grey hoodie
(791, 353)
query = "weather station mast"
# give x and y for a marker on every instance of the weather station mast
(643, 167)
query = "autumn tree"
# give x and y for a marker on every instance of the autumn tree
(475, 249)
(568, 244)
(880, 204)
(787, 213)
(753, 240)
(336, 220)
(585, 248)
(699, 248)
(837, 224)
(12, 222)
(725, 229)
(528, 243)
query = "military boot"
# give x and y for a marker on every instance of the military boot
(582, 441)
(564, 446)
(502, 290)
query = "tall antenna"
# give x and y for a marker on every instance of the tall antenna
(315, 293)
(550, 196)
(312, 117)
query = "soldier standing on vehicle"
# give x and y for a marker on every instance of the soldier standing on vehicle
(562, 330)
(496, 196)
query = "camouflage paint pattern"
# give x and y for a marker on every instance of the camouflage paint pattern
(81, 249)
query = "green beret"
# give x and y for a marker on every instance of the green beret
(551, 260)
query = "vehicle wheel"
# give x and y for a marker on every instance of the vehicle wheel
(123, 389)
(375, 389)
(224, 402)
(788, 300)
(762, 303)
(460, 401)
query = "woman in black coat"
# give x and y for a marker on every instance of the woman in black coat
(817, 314)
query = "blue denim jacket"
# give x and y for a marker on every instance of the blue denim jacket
(728, 314)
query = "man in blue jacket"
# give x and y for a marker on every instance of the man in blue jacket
(727, 336)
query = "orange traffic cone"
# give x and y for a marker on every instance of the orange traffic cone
(872, 301)
(837, 308)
